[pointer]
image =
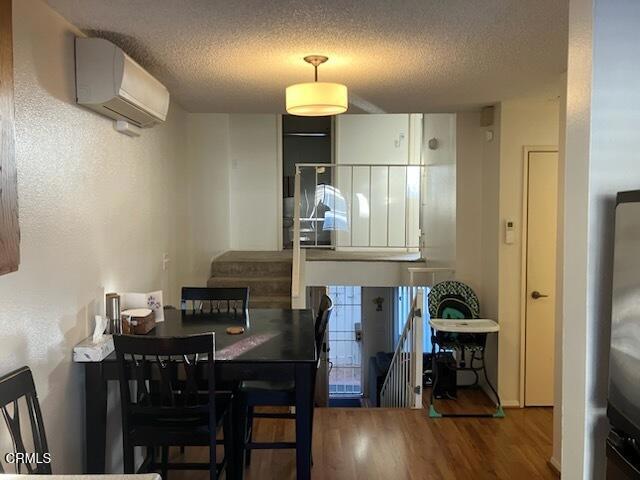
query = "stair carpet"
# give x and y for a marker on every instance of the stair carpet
(269, 281)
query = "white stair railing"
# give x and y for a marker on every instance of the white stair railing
(402, 388)
(363, 206)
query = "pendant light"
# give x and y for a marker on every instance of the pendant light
(315, 99)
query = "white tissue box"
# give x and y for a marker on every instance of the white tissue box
(87, 351)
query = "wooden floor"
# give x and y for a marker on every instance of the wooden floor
(369, 443)
(469, 400)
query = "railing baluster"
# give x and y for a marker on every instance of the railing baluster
(388, 199)
(407, 367)
(370, 205)
(418, 346)
(406, 206)
(404, 379)
(394, 392)
(412, 220)
(405, 372)
(412, 352)
(393, 388)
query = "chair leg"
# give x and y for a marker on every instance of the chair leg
(227, 432)
(213, 463)
(128, 458)
(165, 461)
(151, 456)
(311, 430)
(249, 434)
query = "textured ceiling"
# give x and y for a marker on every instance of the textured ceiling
(395, 56)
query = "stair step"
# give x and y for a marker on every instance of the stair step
(251, 268)
(258, 286)
(269, 302)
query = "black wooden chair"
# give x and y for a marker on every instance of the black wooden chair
(280, 394)
(16, 389)
(225, 299)
(164, 403)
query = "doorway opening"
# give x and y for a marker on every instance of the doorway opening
(345, 346)
(304, 140)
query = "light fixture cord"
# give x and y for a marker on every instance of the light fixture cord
(315, 68)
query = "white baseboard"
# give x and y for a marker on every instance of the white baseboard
(555, 464)
(505, 403)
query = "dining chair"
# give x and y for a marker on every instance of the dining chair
(17, 388)
(281, 394)
(165, 404)
(218, 299)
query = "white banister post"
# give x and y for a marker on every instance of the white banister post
(418, 347)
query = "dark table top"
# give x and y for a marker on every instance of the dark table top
(271, 335)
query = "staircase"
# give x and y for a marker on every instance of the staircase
(267, 274)
(402, 387)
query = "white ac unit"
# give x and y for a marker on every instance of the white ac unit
(110, 82)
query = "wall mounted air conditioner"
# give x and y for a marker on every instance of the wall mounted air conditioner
(113, 84)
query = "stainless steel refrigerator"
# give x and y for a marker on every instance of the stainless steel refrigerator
(623, 407)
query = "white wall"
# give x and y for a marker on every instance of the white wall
(376, 328)
(372, 139)
(97, 211)
(602, 157)
(469, 200)
(255, 182)
(208, 179)
(388, 139)
(490, 236)
(524, 122)
(557, 397)
(477, 212)
(440, 192)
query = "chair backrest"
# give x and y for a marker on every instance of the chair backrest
(17, 388)
(322, 320)
(224, 299)
(167, 378)
(453, 299)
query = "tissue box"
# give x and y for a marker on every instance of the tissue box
(87, 351)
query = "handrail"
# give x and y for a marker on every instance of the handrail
(402, 387)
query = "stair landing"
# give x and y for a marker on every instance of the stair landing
(267, 274)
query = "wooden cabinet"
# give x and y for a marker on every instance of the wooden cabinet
(9, 228)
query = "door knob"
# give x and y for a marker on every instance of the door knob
(536, 295)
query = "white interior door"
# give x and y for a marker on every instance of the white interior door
(540, 277)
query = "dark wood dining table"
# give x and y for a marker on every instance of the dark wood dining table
(276, 345)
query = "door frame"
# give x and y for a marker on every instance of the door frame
(279, 169)
(526, 150)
